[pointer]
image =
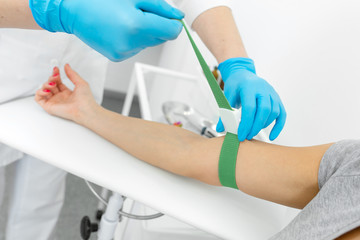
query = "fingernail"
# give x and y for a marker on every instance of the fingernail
(272, 138)
(179, 13)
(54, 69)
(241, 137)
(46, 90)
(55, 74)
(52, 83)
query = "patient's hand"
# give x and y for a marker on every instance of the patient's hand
(59, 100)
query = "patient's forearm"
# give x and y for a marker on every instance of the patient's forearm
(16, 14)
(284, 175)
(168, 147)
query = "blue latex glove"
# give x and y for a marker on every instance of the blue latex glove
(260, 103)
(118, 29)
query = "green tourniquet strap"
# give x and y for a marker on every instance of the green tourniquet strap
(229, 149)
(218, 93)
(227, 160)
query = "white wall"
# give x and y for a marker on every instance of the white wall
(118, 74)
(308, 50)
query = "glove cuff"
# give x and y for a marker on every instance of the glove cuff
(231, 64)
(47, 14)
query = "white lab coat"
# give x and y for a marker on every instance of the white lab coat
(193, 8)
(23, 60)
(25, 63)
(26, 58)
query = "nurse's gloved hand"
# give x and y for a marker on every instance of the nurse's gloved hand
(260, 103)
(118, 29)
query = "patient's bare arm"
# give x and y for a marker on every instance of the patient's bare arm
(16, 14)
(284, 175)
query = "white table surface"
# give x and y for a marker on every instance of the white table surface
(226, 213)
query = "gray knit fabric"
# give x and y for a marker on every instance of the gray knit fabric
(336, 208)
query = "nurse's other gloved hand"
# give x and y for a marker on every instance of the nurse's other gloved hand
(260, 103)
(118, 29)
(58, 100)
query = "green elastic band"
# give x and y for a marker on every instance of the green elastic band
(216, 90)
(227, 160)
(229, 149)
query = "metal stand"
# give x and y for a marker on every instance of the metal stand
(110, 218)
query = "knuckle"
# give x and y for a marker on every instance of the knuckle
(276, 111)
(133, 27)
(266, 109)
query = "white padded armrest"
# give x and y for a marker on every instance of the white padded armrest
(224, 212)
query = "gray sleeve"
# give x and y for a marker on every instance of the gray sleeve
(336, 208)
(336, 160)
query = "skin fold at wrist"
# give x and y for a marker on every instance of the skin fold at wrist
(87, 114)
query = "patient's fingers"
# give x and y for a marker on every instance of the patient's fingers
(56, 71)
(38, 98)
(45, 93)
(42, 95)
(55, 77)
(73, 76)
(62, 87)
(52, 86)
